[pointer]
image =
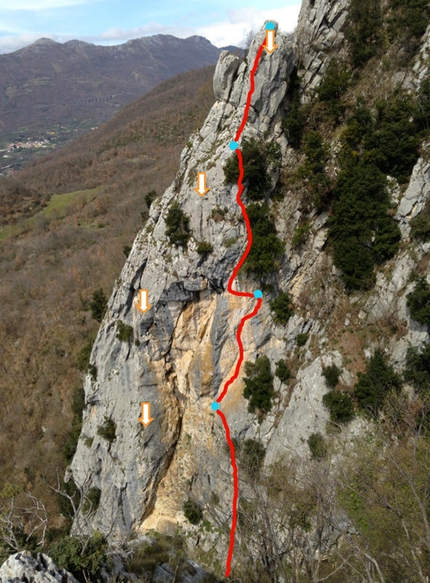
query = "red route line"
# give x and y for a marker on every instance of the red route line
(239, 342)
(251, 91)
(245, 318)
(235, 493)
(248, 230)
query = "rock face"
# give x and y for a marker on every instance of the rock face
(319, 37)
(178, 354)
(415, 197)
(421, 66)
(184, 345)
(165, 574)
(23, 568)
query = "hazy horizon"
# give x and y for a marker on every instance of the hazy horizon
(106, 22)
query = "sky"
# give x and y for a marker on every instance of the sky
(108, 22)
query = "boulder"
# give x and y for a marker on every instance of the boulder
(24, 568)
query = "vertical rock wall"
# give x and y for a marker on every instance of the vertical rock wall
(183, 347)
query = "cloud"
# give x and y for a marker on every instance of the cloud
(38, 5)
(233, 30)
(10, 29)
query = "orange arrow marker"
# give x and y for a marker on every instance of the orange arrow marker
(201, 181)
(143, 303)
(146, 418)
(270, 41)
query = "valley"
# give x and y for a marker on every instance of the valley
(20, 148)
(58, 91)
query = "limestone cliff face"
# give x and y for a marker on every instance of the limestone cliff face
(319, 38)
(184, 347)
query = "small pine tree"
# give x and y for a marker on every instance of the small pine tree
(317, 445)
(150, 197)
(364, 30)
(258, 385)
(257, 158)
(376, 383)
(203, 248)
(282, 371)
(301, 339)
(331, 374)
(193, 512)
(417, 369)
(177, 224)
(266, 246)
(84, 355)
(125, 332)
(282, 307)
(340, 406)
(98, 305)
(418, 302)
(108, 429)
(294, 123)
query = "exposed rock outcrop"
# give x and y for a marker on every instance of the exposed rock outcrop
(23, 568)
(184, 347)
(193, 573)
(421, 65)
(319, 37)
(415, 197)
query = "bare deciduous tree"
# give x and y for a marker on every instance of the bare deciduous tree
(23, 518)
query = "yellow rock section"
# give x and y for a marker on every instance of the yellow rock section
(202, 437)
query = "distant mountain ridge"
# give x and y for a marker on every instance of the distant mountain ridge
(80, 84)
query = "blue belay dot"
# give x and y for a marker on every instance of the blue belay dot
(215, 406)
(270, 26)
(233, 145)
(258, 294)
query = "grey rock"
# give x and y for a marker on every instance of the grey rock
(190, 308)
(23, 568)
(415, 197)
(270, 82)
(304, 415)
(225, 73)
(191, 573)
(319, 38)
(421, 66)
(387, 298)
(186, 347)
